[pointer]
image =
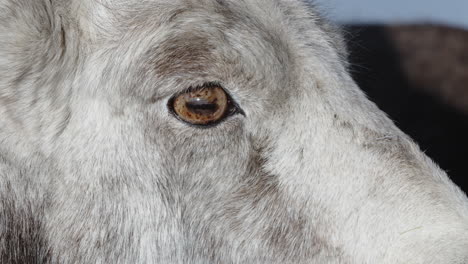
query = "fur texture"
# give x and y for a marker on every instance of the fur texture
(95, 169)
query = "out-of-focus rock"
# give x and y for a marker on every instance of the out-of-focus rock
(434, 58)
(418, 74)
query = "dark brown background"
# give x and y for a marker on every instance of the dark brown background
(418, 74)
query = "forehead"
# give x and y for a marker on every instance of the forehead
(157, 12)
(191, 42)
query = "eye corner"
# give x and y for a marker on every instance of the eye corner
(236, 109)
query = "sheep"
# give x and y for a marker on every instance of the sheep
(204, 131)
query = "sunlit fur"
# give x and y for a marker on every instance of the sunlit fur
(94, 168)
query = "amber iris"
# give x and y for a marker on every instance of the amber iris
(203, 106)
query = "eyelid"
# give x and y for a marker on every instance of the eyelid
(171, 89)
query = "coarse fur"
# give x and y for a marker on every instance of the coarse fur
(94, 168)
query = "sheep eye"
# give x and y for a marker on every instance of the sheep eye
(206, 105)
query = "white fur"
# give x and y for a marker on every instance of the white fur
(95, 169)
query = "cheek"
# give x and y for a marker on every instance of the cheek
(214, 157)
(189, 155)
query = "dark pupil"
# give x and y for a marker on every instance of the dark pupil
(201, 107)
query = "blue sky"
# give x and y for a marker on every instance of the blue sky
(449, 11)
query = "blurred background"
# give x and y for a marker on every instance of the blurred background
(411, 59)
(453, 12)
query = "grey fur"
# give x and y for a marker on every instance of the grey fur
(95, 169)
